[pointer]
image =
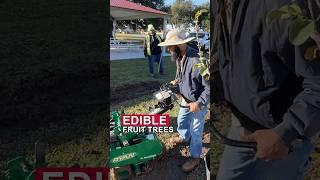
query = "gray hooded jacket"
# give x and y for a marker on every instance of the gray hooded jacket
(193, 87)
(266, 79)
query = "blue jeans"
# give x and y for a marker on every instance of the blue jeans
(241, 164)
(190, 128)
(155, 58)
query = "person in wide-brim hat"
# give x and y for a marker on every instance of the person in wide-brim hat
(176, 37)
(195, 92)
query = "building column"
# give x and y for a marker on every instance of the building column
(114, 24)
(165, 19)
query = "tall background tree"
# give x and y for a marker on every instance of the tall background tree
(155, 4)
(182, 12)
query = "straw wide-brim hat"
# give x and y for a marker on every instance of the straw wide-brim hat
(175, 37)
(151, 28)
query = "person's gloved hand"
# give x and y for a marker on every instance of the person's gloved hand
(194, 107)
(269, 144)
(173, 82)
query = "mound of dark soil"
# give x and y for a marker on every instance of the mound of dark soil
(131, 91)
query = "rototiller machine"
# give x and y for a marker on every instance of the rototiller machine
(19, 168)
(130, 153)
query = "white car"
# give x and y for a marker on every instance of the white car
(204, 39)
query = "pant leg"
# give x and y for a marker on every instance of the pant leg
(293, 167)
(150, 64)
(196, 131)
(160, 62)
(241, 164)
(236, 163)
(183, 122)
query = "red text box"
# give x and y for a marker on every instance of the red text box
(71, 173)
(145, 120)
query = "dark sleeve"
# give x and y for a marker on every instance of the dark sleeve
(204, 97)
(303, 117)
(145, 47)
(177, 70)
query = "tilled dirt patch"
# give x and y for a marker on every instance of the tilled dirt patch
(131, 91)
(168, 166)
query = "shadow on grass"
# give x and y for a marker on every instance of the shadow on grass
(67, 113)
(53, 78)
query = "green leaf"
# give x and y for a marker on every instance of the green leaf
(285, 12)
(204, 71)
(198, 66)
(200, 12)
(197, 14)
(300, 30)
(204, 11)
(294, 9)
(276, 14)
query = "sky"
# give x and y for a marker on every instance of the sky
(196, 2)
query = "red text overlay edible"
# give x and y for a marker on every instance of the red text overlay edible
(71, 173)
(145, 120)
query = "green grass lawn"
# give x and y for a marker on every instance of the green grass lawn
(52, 84)
(124, 72)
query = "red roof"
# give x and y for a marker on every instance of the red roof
(130, 5)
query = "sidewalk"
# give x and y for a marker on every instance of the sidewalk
(123, 54)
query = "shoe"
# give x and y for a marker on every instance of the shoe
(190, 164)
(151, 75)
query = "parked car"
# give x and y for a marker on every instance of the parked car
(204, 40)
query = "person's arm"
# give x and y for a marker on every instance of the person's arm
(175, 81)
(145, 47)
(303, 117)
(204, 98)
